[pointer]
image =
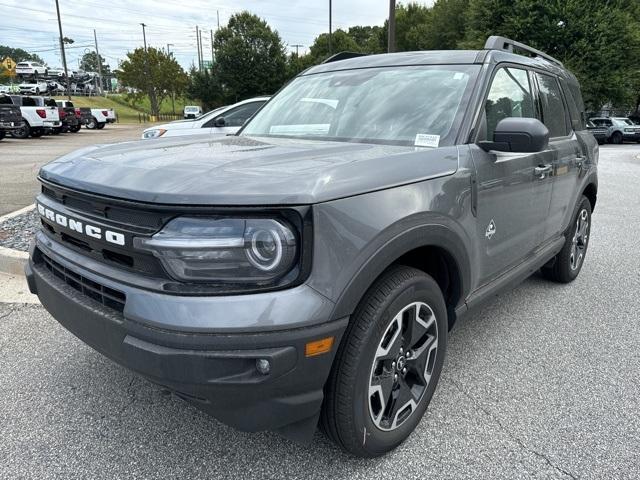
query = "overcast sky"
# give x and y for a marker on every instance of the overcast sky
(31, 24)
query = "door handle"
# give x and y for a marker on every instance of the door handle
(542, 170)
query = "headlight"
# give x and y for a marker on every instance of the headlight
(228, 250)
(155, 133)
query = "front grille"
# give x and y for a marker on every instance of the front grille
(108, 297)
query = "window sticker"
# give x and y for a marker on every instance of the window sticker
(426, 140)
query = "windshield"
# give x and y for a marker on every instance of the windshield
(191, 109)
(417, 105)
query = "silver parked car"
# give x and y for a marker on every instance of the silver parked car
(619, 129)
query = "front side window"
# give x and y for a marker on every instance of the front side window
(509, 96)
(553, 115)
(416, 105)
(236, 117)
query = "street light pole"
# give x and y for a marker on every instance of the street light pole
(144, 36)
(64, 57)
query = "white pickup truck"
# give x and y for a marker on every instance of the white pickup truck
(100, 117)
(36, 118)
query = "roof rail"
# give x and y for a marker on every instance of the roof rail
(343, 56)
(496, 42)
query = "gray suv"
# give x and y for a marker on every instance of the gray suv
(308, 269)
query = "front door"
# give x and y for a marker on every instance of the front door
(513, 189)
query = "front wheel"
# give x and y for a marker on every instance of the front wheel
(2, 134)
(616, 138)
(566, 266)
(37, 132)
(75, 128)
(388, 364)
(100, 126)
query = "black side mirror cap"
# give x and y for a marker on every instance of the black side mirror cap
(219, 122)
(516, 134)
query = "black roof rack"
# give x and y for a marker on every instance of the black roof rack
(495, 42)
(343, 56)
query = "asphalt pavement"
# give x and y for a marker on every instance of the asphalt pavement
(543, 382)
(20, 160)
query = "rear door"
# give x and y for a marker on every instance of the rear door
(512, 196)
(568, 156)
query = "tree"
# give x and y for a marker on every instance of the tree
(205, 86)
(341, 41)
(298, 63)
(154, 73)
(89, 63)
(18, 54)
(598, 41)
(250, 58)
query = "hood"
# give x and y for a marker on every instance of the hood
(236, 170)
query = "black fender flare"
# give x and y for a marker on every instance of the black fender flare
(426, 235)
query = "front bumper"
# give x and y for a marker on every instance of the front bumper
(631, 136)
(213, 368)
(11, 125)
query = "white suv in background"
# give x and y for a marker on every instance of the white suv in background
(222, 121)
(30, 68)
(33, 88)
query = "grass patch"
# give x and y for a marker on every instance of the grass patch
(125, 113)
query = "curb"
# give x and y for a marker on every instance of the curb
(13, 261)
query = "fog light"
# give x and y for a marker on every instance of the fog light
(263, 366)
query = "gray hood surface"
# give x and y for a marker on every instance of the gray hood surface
(240, 170)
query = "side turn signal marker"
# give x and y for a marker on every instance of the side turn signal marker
(318, 347)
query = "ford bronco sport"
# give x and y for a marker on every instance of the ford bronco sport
(308, 269)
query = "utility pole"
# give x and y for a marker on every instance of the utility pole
(168, 49)
(330, 49)
(213, 57)
(201, 49)
(198, 46)
(95, 39)
(144, 36)
(218, 15)
(64, 57)
(391, 40)
(297, 46)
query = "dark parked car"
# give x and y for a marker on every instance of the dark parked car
(10, 116)
(83, 114)
(309, 268)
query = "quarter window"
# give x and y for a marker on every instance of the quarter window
(509, 96)
(553, 114)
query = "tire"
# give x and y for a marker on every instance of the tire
(100, 126)
(2, 134)
(56, 131)
(37, 132)
(22, 132)
(616, 138)
(566, 265)
(37, 91)
(353, 415)
(92, 123)
(75, 128)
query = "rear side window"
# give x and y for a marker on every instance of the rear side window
(50, 102)
(553, 114)
(29, 102)
(509, 96)
(575, 104)
(5, 100)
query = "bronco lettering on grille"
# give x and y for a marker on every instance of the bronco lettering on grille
(92, 231)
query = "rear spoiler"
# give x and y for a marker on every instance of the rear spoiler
(343, 56)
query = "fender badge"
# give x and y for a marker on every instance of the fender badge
(491, 229)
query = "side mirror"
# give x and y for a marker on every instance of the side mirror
(516, 134)
(219, 122)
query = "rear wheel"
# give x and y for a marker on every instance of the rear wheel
(22, 132)
(37, 132)
(388, 364)
(75, 128)
(100, 126)
(616, 138)
(566, 266)
(92, 123)
(2, 134)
